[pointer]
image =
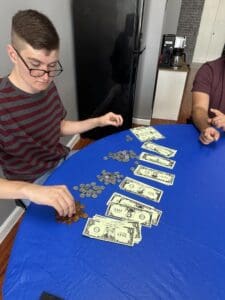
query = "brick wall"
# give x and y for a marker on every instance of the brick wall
(188, 24)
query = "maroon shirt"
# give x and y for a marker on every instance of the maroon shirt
(29, 131)
(210, 79)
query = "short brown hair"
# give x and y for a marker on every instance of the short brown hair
(35, 29)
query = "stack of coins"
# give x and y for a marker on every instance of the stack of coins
(89, 189)
(75, 217)
(122, 156)
(110, 177)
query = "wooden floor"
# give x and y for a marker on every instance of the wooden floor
(5, 249)
(6, 246)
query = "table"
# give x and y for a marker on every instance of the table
(182, 258)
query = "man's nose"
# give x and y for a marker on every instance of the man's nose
(46, 75)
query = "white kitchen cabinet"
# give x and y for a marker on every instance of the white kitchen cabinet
(169, 92)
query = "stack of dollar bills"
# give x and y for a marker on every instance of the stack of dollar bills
(123, 221)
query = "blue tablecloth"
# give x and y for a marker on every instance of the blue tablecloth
(182, 258)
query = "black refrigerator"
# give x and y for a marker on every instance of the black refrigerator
(107, 43)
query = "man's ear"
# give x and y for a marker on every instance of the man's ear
(12, 53)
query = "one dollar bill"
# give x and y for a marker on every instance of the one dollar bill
(145, 133)
(144, 217)
(156, 175)
(141, 189)
(161, 150)
(157, 160)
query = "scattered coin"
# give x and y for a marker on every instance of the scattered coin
(129, 138)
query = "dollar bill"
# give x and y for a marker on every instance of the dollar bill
(141, 189)
(127, 201)
(135, 225)
(156, 175)
(157, 160)
(120, 211)
(145, 133)
(162, 150)
(114, 233)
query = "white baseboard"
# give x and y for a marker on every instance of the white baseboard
(73, 141)
(15, 215)
(8, 224)
(144, 122)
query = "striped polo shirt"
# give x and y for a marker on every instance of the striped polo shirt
(29, 131)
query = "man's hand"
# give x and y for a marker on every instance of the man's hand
(209, 135)
(219, 120)
(58, 197)
(110, 119)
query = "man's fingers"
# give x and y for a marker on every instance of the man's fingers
(120, 120)
(216, 111)
(205, 139)
(209, 135)
(111, 119)
(116, 120)
(58, 207)
(70, 206)
(61, 199)
(63, 208)
(217, 122)
(67, 201)
(216, 136)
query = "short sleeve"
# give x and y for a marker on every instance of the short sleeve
(203, 79)
(63, 111)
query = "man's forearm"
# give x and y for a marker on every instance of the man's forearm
(12, 189)
(58, 196)
(74, 127)
(200, 118)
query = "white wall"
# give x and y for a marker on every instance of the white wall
(171, 18)
(152, 34)
(211, 35)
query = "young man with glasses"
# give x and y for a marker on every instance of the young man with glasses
(32, 116)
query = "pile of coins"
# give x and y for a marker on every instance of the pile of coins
(75, 217)
(89, 190)
(110, 178)
(122, 156)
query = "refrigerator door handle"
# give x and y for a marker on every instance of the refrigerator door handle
(139, 52)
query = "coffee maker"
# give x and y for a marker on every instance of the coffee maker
(172, 51)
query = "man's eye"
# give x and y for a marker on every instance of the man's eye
(35, 65)
(52, 66)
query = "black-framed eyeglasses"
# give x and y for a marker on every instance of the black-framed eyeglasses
(39, 72)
